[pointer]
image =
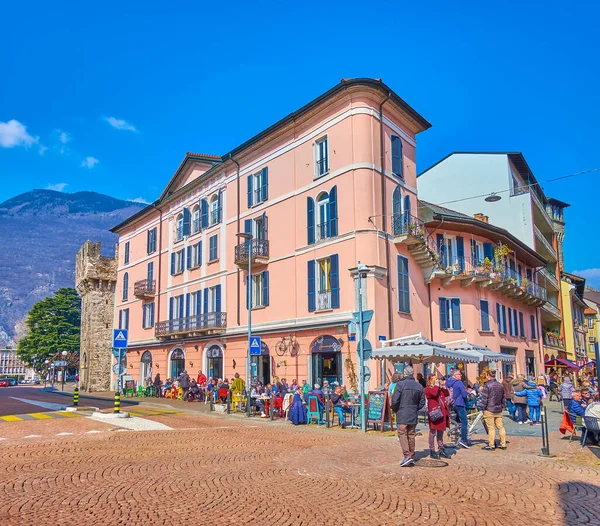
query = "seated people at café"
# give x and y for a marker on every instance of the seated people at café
(201, 380)
(223, 384)
(193, 392)
(294, 386)
(577, 405)
(237, 386)
(256, 392)
(339, 405)
(326, 388)
(157, 385)
(318, 392)
(297, 412)
(284, 387)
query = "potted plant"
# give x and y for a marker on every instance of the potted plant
(456, 268)
(524, 284)
(511, 281)
(449, 269)
(486, 265)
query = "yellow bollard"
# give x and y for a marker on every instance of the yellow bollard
(75, 397)
(117, 402)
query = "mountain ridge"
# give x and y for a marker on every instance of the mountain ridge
(41, 232)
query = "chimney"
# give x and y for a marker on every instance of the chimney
(481, 217)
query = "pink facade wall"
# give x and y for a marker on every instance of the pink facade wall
(352, 128)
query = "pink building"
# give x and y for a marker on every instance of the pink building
(321, 190)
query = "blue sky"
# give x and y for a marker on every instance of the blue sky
(110, 98)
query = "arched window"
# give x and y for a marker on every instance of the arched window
(177, 363)
(125, 286)
(322, 215)
(215, 210)
(196, 219)
(214, 362)
(179, 227)
(146, 368)
(397, 201)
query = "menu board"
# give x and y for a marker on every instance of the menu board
(379, 409)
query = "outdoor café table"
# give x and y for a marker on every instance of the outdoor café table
(355, 413)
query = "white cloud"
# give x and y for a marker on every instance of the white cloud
(120, 124)
(89, 162)
(63, 136)
(13, 133)
(139, 200)
(58, 187)
(592, 276)
(43, 149)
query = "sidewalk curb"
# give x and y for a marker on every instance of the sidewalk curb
(91, 397)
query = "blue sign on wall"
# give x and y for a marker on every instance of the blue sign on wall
(255, 345)
(120, 338)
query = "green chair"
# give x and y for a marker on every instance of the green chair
(140, 390)
(314, 410)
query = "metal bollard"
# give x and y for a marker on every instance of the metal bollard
(212, 401)
(75, 397)
(271, 408)
(545, 437)
(327, 402)
(117, 402)
(248, 403)
(228, 401)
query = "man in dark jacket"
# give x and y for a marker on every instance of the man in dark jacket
(407, 401)
(492, 403)
(507, 384)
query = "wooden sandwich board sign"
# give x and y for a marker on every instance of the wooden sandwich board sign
(379, 410)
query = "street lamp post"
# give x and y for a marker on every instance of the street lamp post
(46, 373)
(361, 355)
(248, 238)
(64, 355)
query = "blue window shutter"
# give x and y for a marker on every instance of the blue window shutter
(218, 298)
(456, 325)
(250, 200)
(247, 293)
(199, 253)
(144, 308)
(324, 154)
(485, 315)
(188, 304)
(189, 258)
(396, 155)
(397, 201)
(407, 204)
(533, 327)
(152, 314)
(460, 252)
(335, 281)
(171, 300)
(441, 249)
(126, 319)
(248, 226)
(528, 274)
(499, 318)
(332, 227)
(443, 313)
(187, 222)
(310, 219)
(150, 275)
(206, 291)
(198, 302)
(264, 184)
(265, 287)
(265, 226)
(126, 257)
(312, 300)
(474, 252)
(504, 318)
(172, 263)
(488, 251)
(219, 205)
(510, 327)
(204, 213)
(403, 285)
(125, 285)
(521, 325)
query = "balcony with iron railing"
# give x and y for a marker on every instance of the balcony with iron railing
(549, 276)
(322, 166)
(324, 300)
(552, 340)
(199, 323)
(257, 249)
(215, 216)
(407, 229)
(552, 309)
(145, 288)
(542, 238)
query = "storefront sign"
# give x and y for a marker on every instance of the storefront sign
(214, 352)
(326, 344)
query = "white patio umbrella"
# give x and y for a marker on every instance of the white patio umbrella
(484, 354)
(417, 349)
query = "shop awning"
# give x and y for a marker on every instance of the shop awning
(561, 362)
(485, 354)
(417, 349)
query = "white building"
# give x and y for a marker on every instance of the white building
(10, 365)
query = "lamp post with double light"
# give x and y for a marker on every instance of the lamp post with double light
(64, 356)
(248, 239)
(362, 274)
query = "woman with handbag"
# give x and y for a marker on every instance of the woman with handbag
(439, 418)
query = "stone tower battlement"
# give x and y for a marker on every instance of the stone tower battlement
(95, 280)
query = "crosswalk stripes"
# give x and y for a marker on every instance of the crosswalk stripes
(68, 414)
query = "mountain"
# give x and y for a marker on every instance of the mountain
(40, 233)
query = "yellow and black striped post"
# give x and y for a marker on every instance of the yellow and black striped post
(117, 402)
(75, 397)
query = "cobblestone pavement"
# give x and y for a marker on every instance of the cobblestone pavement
(220, 470)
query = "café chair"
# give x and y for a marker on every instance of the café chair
(314, 410)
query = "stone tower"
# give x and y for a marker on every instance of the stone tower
(95, 280)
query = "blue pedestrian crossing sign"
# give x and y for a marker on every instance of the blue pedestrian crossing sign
(120, 338)
(255, 345)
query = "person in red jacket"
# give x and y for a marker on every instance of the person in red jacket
(201, 380)
(436, 394)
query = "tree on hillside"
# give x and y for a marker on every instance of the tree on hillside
(53, 325)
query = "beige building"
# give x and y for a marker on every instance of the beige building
(10, 365)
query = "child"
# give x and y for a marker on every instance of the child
(534, 397)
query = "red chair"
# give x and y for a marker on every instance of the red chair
(278, 405)
(222, 394)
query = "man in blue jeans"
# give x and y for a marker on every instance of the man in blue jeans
(459, 394)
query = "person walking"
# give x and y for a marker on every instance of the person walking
(458, 394)
(492, 403)
(519, 385)
(534, 398)
(184, 382)
(566, 391)
(407, 401)
(507, 385)
(438, 415)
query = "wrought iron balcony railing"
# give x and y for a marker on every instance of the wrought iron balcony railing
(144, 288)
(209, 321)
(324, 300)
(255, 248)
(405, 223)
